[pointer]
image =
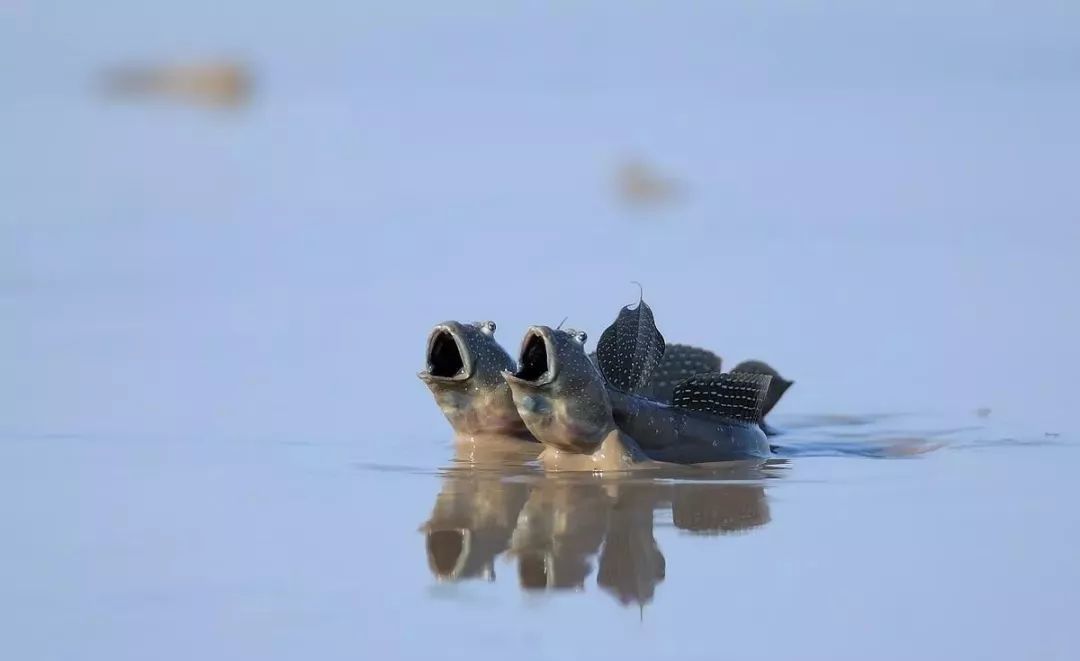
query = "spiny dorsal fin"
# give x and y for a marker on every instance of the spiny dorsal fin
(733, 395)
(777, 388)
(630, 348)
(680, 361)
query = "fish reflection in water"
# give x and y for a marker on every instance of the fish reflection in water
(477, 509)
(558, 529)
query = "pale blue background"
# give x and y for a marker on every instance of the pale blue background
(208, 318)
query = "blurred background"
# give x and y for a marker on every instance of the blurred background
(227, 227)
(242, 218)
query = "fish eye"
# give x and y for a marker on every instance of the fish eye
(580, 336)
(486, 326)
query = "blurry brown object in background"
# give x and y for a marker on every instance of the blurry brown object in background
(219, 84)
(639, 185)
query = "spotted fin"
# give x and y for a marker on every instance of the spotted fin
(738, 395)
(777, 388)
(680, 361)
(630, 349)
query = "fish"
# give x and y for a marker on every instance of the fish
(585, 424)
(463, 364)
(463, 372)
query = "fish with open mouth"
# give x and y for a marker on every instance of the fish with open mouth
(464, 372)
(589, 416)
(463, 369)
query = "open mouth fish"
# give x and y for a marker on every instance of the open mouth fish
(463, 365)
(463, 372)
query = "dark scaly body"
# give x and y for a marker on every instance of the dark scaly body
(568, 406)
(670, 434)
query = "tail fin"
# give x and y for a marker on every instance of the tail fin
(776, 390)
(734, 395)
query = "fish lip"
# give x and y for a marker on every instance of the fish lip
(454, 330)
(518, 377)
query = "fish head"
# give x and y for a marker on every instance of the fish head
(558, 391)
(464, 372)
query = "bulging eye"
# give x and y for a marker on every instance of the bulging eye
(486, 326)
(581, 336)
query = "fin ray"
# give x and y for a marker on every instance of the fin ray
(630, 349)
(737, 395)
(777, 388)
(680, 362)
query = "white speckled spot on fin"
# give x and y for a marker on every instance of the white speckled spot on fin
(630, 349)
(680, 361)
(734, 395)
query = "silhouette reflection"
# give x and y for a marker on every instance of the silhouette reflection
(477, 509)
(558, 528)
(561, 526)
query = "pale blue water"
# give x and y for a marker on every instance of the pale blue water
(211, 322)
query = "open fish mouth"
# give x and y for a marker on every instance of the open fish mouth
(536, 571)
(448, 357)
(537, 364)
(448, 550)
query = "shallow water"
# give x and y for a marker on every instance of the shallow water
(213, 443)
(282, 549)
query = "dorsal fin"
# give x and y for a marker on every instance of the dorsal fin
(680, 362)
(777, 388)
(733, 395)
(630, 349)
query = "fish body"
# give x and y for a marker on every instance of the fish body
(585, 424)
(677, 435)
(463, 371)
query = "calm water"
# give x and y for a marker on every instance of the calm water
(213, 443)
